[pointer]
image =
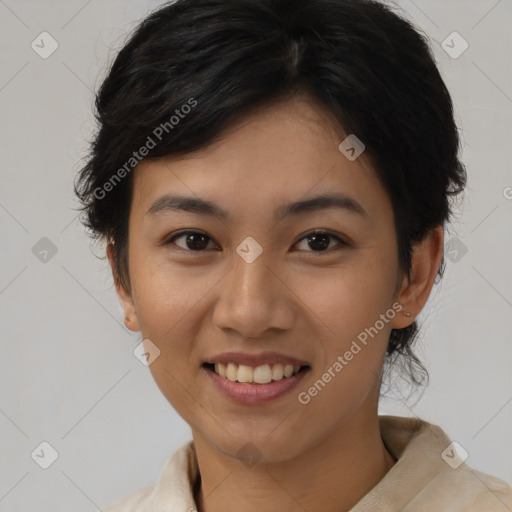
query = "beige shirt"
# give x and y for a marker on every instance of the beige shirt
(429, 476)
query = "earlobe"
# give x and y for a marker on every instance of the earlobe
(125, 298)
(415, 292)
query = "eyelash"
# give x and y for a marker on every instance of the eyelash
(343, 244)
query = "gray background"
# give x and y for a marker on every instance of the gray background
(68, 373)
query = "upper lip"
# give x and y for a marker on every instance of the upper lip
(255, 360)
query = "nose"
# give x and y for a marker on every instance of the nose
(254, 298)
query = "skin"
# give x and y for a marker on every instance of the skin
(294, 298)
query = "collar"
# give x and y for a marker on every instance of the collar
(422, 475)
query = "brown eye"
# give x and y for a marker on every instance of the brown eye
(193, 240)
(319, 241)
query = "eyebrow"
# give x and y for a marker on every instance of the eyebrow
(170, 203)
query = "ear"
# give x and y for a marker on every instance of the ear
(124, 296)
(415, 292)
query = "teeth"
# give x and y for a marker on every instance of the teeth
(277, 372)
(245, 374)
(220, 368)
(231, 371)
(260, 375)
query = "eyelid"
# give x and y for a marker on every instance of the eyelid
(343, 242)
(169, 240)
(318, 231)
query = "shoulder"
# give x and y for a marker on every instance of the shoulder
(472, 490)
(173, 489)
(431, 474)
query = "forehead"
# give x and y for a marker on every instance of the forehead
(275, 155)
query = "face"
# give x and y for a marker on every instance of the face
(195, 293)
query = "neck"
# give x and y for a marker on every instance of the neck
(331, 477)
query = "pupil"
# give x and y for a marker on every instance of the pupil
(194, 244)
(322, 238)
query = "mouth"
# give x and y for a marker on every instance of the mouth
(257, 375)
(255, 385)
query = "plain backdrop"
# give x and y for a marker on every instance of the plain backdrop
(68, 373)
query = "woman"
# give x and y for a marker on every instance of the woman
(273, 178)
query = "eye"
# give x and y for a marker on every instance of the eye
(319, 240)
(196, 241)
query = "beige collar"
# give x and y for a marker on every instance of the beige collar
(421, 477)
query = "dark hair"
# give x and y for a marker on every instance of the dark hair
(226, 58)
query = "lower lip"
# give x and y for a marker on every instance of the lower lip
(245, 393)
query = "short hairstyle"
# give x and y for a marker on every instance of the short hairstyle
(223, 59)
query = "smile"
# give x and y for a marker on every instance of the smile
(252, 392)
(256, 375)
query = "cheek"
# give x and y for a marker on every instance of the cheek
(166, 293)
(168, 301)
(347, 303)
(351, 297)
